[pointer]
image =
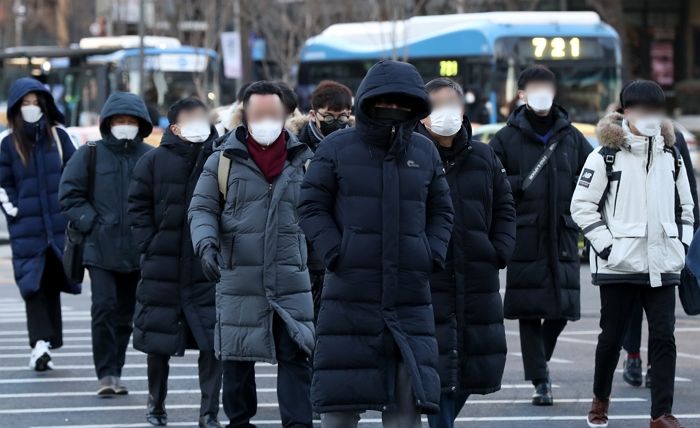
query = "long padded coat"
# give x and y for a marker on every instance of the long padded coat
(466, 295)
(543, 280)
(29, 194)
(376, 205)
(263, 249)
(109, 244)
(173, 294)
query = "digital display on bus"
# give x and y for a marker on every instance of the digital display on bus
(553, 48)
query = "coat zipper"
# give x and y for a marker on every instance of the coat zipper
(649, 153)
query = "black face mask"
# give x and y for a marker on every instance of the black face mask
(391, 116)
(327, 128)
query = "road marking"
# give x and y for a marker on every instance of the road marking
(378, 420)
(25, 347)
(60, 354)
(24, 320)
(125, 378)
(23, 333)
(678, 378)
(597, 332)
(66, 339)
(551, 360)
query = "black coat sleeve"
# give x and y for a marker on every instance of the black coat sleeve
(73, 191)
(685, 153)
(141, 209)
(498, 145)
(440, 213)
(317, 205)
(502, 231)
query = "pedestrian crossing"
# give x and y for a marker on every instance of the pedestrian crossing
(65, 397)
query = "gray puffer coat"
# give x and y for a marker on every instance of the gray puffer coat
(263, 250)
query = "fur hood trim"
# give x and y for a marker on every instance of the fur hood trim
(611, 134)
(297, 122)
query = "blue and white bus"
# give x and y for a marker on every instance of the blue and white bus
(485, 51)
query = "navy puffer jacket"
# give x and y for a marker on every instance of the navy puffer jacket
(377, 207)
(29, 192)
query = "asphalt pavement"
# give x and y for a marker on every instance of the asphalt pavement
(66, 396)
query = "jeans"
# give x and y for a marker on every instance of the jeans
(44, 321)
(451, 403)
(293, 385)
(405, 415)
(113, 301)
(617, 304)
(537, 342)
(209, 382)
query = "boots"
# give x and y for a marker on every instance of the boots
(665, 421)
(598, 416)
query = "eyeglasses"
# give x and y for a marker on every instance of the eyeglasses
(330, 118)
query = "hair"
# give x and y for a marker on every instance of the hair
(16, 123)
(536, 73)
(185, 104)
(241, 92)
(261, 87)
(442, 82)
(643, 93)
(331, 95)
(289, 98)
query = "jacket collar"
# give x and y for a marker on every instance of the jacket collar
(518, 119)
(462, 141)
(234, 145)
(612, 132)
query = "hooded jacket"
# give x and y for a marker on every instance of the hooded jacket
(377, 208)
(466, 295)
(543, 280)
(29, 193)
(109, 243)
(263, 249)
(173, 295)
(645, 217)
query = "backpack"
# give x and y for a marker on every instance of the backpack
(223, 171)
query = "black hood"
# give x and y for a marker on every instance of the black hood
(398, 79)
(25, 85)
(129, 104)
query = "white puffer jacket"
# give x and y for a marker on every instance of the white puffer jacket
(640, 221)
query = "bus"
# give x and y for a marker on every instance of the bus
(482, 51)
(82, 76)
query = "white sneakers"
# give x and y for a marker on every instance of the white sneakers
(40, 359)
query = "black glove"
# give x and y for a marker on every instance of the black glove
(211, 260)
(605, 253)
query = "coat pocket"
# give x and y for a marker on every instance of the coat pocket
(674, 253)
(629, 251)
(568, 239)
(526, 238)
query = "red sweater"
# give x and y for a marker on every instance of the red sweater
(270, 159)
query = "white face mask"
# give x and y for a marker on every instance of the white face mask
(540, 100)
(31, 113)
(266, 131)
(196, 131)
(649, 126)
(125, 132)
(446, 121)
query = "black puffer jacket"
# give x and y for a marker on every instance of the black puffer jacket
(109, 244)
(466, 298)
(543, 275)
(173, 293)
(376, 205)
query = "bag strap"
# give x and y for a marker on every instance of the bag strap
(608, 154)
(57, 140)
(539, 166)
(223, 172)
(678, 160)
(92, 163)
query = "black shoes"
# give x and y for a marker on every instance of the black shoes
(543, 394)
(157, 419)
(208, 421)
(632, 371)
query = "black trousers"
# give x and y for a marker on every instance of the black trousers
(44, 321)
(113, 301)
(209, 382)
(293, 385)
(633, 337)
(617, 302)
(538, 338)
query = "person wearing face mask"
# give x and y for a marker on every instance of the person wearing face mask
(475, 107)
(466, 298)
(174, 300)
(32, 155)
(634, 204)
(244, 225)
(331, 105)
(377, 207)
(543, 154)
(110, 255)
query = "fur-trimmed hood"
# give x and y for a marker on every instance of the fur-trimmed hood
(611, 133)
(298, 121)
